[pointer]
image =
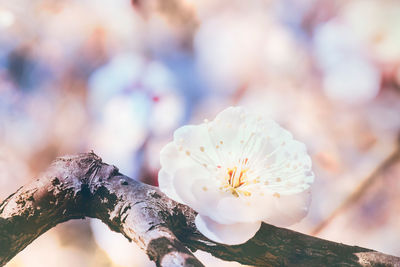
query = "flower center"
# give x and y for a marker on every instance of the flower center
(235, 178)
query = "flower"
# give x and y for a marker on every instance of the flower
(237, 171)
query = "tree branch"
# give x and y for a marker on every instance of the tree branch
(360, 190)
(83, 186)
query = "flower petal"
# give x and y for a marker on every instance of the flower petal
(194, 141)
(236, 171)
(270, 207)
(245, 209)
(165, 184)
(290, 172)
(238, 135)
(290, 209)
(224, 133)
(206, 192)
(183, 182)
(230, 234)
(171, 159)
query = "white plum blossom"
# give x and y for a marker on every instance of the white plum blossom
(236, 172)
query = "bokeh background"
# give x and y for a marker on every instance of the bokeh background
(118, 77)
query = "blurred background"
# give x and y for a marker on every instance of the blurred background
(119, 77)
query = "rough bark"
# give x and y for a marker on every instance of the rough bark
(83, 186)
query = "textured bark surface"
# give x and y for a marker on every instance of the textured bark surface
(83, 186)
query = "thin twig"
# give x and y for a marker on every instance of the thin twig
(360, 190)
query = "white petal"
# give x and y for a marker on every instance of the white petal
(225, 132)
(291, 172)
(231, 114)
(172, 159)
(244, 209)
(277, 171)
(207, 193)
(183, 181)
(241, 135)
(230, 234)
(195, 142)
(272, 207)
(166, 185)
(279, 210)
(290, 208)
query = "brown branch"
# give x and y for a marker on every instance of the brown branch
(83, 186)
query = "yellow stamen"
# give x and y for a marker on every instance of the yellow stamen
(235, 180)
(277, 195)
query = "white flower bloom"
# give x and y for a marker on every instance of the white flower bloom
(237, 171)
